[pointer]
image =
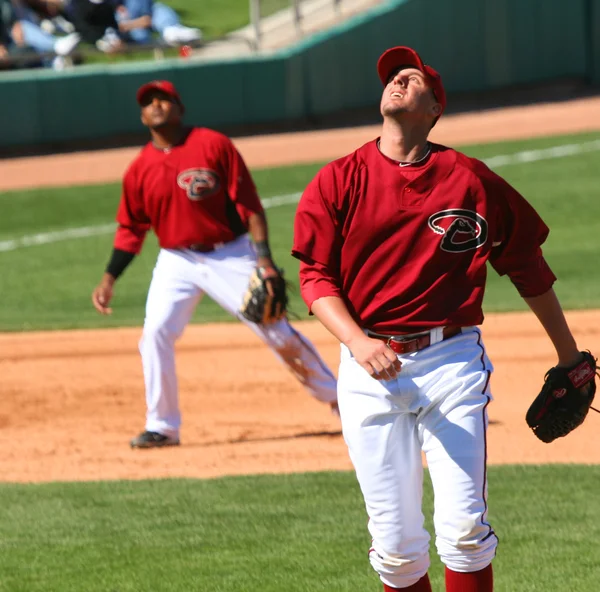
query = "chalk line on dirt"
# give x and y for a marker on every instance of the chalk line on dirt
(493, 162)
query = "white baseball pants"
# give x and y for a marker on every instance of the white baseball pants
(179, 280)
(437, 405)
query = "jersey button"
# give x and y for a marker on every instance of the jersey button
(407, 189)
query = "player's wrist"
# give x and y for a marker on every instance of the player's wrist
(265, 262)
(569, 358)
(263, 250)
(108, 279)
(119, 260)
(354, 337)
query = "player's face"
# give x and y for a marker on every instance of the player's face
(159, 109)
(407, 92)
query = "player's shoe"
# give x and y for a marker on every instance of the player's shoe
(153, 440)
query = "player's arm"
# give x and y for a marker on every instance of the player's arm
(518, 254)
(259, 231)
(242, 191)
(549, 312)
(103, 292)
(372, 354)
(317, 245)
(128, 242)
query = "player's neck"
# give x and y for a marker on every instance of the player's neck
(403, 144)
(167, 136)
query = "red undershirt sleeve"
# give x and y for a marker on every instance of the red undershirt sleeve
(317, 238)
(533, 278)
(316, 282)
(240, 185)
(317, 234)
(520, 232)
(131, 217)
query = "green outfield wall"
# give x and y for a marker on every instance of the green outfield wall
(477, 45)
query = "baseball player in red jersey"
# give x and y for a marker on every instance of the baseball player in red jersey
(393, 241)
(191, 186)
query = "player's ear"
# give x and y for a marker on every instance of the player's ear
(436, 109)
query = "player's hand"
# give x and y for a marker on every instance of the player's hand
(267, 263)
(375, 357)
(102, 295)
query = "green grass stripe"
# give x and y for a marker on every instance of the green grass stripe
(48, 286)
(298, 533)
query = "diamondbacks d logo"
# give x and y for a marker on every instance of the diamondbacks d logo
(463, 230)
(199, 183)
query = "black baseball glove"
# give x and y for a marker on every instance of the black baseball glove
(266, 298)
(564, 400)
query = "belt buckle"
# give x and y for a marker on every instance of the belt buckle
(404, 342)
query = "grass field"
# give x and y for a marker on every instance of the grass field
(218, 17)
(48, 286)
(293, 533)
(298, 533)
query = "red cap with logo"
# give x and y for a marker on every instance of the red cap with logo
(162, 85)
(395, 57)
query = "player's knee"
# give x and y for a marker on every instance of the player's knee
(293, 356)
(399, 570)
(159, 333)
(471, 550)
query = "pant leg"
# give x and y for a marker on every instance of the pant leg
(297, 352)
(453, 432)
(141, 36)
(36, 38)
(172, 298)
(136, 9)
(229, 271)
(379, 427)
(163, 16)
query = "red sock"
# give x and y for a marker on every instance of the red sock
(476, 581)
(422, 585)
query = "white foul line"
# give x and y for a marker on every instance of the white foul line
(279, 200)
(542, 154)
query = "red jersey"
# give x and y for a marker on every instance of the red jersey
(406, 246)
(199, 191)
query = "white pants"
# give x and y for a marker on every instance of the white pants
(436, 405)
(179, 280)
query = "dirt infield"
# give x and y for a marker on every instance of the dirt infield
(72, 400)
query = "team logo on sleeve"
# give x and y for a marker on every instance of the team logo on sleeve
(462, 230)
(199, 183)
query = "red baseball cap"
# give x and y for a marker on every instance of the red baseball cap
(164, 85)
(395, 57)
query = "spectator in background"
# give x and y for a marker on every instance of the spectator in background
(13, 38)
(139, 18)
(96, 23)
(8, 27)
(48, 14)
(31, 13)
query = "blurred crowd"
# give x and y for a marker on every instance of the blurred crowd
(53, 29)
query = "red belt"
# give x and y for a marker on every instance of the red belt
(200, 248)
(407, 344)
